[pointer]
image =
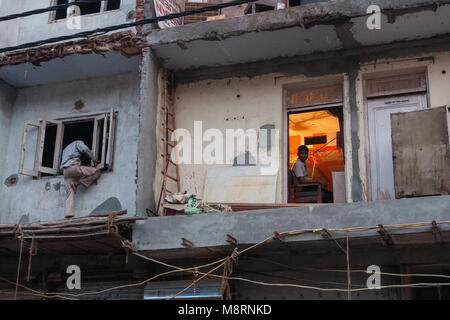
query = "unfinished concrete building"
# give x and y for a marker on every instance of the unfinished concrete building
(370, 103)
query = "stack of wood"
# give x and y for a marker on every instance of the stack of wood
(103, 223)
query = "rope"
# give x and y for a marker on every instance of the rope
(197, 280)
(31, 254)
(35, 292)
(236, 253)
(20, 260)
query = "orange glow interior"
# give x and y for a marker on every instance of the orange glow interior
(324, 158)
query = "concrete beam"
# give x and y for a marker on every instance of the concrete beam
(302, 30)
(250, 227)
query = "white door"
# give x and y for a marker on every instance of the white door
(380, 141)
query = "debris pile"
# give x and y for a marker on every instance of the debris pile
(192, 205)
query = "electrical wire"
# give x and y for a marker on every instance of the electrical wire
(296, 279)
(197, 280)
(427, 275)
(136, 284)
(35, 292)
(100, 31)
(221, 261)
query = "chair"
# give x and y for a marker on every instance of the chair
(305, 192)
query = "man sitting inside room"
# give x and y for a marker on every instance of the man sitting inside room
(301, 172)
(76, 173)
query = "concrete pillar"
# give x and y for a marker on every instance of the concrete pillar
(147, 133)
(7, 97)
(356, 183)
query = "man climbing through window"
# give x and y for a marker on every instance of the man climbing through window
(76, 173)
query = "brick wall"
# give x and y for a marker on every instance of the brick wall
(199, 16)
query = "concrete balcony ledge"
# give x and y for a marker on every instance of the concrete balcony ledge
(159, 235)
(302, 30)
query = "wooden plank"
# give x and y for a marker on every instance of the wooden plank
(172, 100)
(57, 151)
(396, 85)
(111, 138)
(22, 169)
(316, 96)
(421, 155)
(261, 206)
(95, 134)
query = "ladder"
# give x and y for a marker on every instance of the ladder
(168, 127)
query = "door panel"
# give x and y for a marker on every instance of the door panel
(380, 142)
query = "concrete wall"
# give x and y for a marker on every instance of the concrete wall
(252, 102)
(39, 27)
(227, 104)
(7, 97)
(246, 103)
(436, 66)
(43, 199)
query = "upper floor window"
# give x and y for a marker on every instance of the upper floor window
(94, 7)
(43, 142)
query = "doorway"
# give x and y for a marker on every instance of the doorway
(320, 129)
(380, 142)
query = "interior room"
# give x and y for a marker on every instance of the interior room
(321, 131)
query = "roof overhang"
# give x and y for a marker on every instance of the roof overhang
(303, 30)
(74, 60)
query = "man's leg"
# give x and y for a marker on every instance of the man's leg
(71, 176)
(90, 175)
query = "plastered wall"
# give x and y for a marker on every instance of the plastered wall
(39, 27)
(436, 67)
(236, 103)
(226, 104)
(7, 97)
(43, 199)
(253, 102)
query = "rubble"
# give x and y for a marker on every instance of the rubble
(126, 43)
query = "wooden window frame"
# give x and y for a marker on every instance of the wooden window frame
(103, 150)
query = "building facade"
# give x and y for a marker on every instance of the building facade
(364, 89)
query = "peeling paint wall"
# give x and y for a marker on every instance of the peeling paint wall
(227, 104)
(439, 80)
(260, 102)
(43, 199)
(241, 103)
(438, 83)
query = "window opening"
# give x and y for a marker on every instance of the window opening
(44, 141)
(95, 7)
